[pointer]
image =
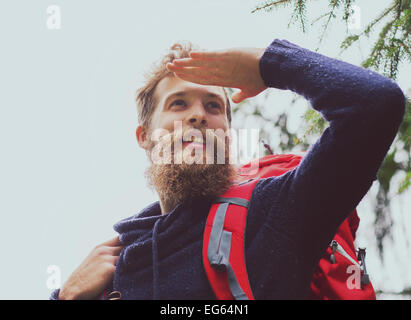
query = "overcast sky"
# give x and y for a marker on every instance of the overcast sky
(70, 164)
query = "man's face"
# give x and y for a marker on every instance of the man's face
(193, 105)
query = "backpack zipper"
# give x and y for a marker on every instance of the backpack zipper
(365, 279)
(336, 247)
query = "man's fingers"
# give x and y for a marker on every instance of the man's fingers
(193, 71)
(206, 54)
(193, 78)
(197, 77)
(116, 250)
(112, 259)
(112, 242)
(198, 71)
(189, 62)
(239, 96)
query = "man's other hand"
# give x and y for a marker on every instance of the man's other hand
(94, 274)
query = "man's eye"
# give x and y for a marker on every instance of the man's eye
(214, 105)
(178, 103)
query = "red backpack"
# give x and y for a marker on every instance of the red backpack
(341, 272)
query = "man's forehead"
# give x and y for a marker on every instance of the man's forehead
(171, 85)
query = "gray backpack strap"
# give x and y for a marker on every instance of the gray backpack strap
(220, 244)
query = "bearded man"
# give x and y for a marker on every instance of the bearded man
(292, 218)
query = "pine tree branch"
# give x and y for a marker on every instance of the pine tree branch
(331, 15)
(272, 3)
(347, 42)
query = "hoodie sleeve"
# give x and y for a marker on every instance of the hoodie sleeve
(55, 294)
(364, 109)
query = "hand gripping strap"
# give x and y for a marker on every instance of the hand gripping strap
(223, 245)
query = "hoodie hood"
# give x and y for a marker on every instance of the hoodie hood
(149, 236)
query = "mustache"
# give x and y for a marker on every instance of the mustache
(216, 140)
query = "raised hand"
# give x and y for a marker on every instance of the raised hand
(232, 68)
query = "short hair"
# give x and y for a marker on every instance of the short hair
(145, 95)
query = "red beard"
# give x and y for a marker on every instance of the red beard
(184, 183)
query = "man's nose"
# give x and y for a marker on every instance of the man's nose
(197, 115)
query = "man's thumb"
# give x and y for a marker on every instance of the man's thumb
(239, 96)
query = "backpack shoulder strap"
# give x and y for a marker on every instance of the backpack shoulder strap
(223, 243)
(224, 234)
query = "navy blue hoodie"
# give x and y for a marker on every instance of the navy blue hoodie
(292, 218)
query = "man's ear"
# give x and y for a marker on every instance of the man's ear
(142, 137)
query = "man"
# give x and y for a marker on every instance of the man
(291, 219)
